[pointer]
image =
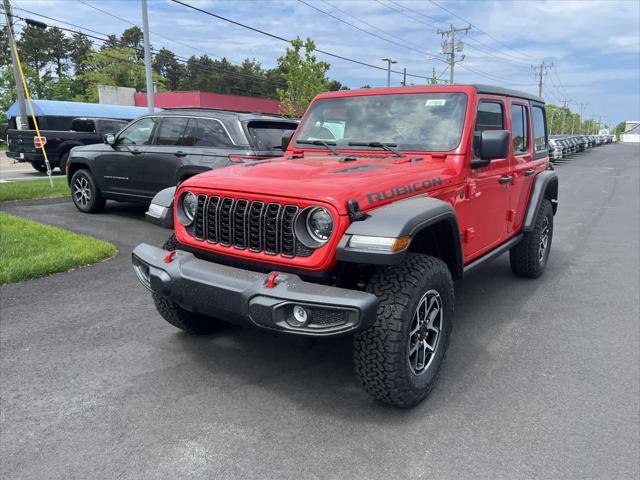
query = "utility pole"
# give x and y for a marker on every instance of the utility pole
(582, 107)
(23, 124)
(389, 62)
(553, 113)
(541, 73)
(147, 57)
(450, 48)
(565, 102)
(404, 77)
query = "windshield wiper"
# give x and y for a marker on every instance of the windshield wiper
(328, 145)
(389, 147)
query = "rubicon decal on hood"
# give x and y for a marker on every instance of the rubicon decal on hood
(404, 190)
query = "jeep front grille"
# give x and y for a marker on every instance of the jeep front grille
(257, 226)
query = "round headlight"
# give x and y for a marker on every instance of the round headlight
(189, 207)
(319, 224)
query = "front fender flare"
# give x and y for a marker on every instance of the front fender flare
(160, 210)
(398, 219)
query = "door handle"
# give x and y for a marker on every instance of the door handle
(506, 179)
(180, 153)
(135, 151)
(528, 173)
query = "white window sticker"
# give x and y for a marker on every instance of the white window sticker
(436, 102)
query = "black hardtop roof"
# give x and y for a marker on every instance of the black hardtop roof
(507, 92)
(218, 113)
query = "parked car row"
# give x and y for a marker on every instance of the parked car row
(563, 146)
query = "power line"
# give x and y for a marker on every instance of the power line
(177, 42)
(480, 30)
(368, 32)
(401, 11)
(282, 39)
(209, 68)
(410, 45)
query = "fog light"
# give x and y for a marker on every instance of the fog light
(300, 316)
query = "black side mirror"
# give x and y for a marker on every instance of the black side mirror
(110, 139)
(286, 139)
(493, 144)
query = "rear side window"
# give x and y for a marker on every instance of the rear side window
(206, 132)
(110, 126)
(83, 125)
(539, 130)
(520, 129)
(170, 131)
(268, 135)
(490, 117)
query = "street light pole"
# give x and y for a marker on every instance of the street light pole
(147, 56)
(22, 106)
(389, 62)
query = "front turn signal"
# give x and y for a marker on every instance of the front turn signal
(379, 244)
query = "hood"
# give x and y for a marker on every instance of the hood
(370, 181)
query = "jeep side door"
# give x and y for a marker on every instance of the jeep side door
(482, 215)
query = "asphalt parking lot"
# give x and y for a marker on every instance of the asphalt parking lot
(541, 380)
(12, 171)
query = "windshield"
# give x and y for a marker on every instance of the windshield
(412, 121)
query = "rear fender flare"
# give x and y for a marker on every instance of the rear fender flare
(544, 186)
(414, 217)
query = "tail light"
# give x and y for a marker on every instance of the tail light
(245, 158)
(37, 143)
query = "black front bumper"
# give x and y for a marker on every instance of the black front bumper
(243, 296)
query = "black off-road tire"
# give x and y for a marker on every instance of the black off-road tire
(95, 202)
(178, 316)
(63, 162)
(39, 166)
(526, 257)
(381, 353)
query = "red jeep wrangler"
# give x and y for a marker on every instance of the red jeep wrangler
(382, 199)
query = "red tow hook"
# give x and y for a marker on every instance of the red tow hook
(271, 280)
(169, 257)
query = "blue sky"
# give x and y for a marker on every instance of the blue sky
(594, 45)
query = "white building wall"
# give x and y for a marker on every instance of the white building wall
(111, 95)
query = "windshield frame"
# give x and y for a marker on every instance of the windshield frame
(345, 146)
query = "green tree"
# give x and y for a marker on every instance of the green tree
(34, 47)
(305, 76)
(59, 50)
(5, 52)
(80, 46)
(133, 38)
(115, 66)
(166, 65)
(111, 42)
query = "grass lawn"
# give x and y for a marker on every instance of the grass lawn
(30, 249)
(30, 189)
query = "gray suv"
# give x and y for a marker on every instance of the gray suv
(160, 150)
